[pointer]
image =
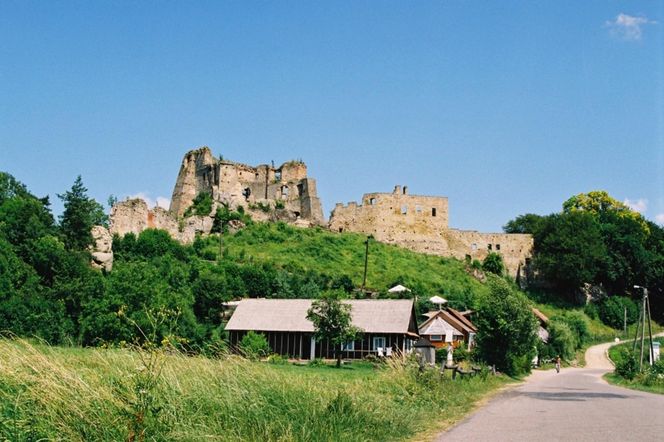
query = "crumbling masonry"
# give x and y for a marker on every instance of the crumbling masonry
(265, 192)
(420, 223)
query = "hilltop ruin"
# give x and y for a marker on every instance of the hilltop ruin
(420, 223)
(265, 192)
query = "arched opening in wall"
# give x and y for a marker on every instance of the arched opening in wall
(246, 193)
(497, 246)
(341, 229)
(433, 211)
(297, 214)
(372, 201)
(284, 192)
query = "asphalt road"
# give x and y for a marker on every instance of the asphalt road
(574, 405)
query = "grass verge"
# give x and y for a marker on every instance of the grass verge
(50, 393)
(650, 380)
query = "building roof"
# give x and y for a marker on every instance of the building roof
(463, 319)
(438, 327)
(370, 315)
(398, 289)
(452, 317)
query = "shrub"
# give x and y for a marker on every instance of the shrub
(591, 310)
(561, 340)
(627, 366)
(277, 359)
(612, 311)
(201, 205)
(254, 345)
(493, 263)
(507, 328)
(578, 324)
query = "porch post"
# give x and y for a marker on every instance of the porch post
(313, 348)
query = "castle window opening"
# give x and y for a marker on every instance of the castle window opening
(246, 193)
(341, 229)
(473, 247)
(300, 189)
(418, 209)
(489, 247)
(297, 214)
(404, 209)
(497, 246)
(277, 175)
(372, 201)
(433, 211)
(405, 190)
(284, 192)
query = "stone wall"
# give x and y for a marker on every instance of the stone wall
(134, 216)
(286, 188)
(420, 223)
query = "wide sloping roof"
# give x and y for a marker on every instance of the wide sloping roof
(372, 316)
(439, 327)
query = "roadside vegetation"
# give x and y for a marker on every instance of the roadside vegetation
(626, 359)
(76, 394)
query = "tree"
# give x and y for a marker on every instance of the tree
(528, 223)
(569, 249)
(493, 263)
(332, 321)
(80, 215)
(507, 328)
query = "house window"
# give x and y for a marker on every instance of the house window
(418, 209)
(348, 346)
(433, 211)
(378, 342)
(436, 338)
(409, 345)
(404, 209)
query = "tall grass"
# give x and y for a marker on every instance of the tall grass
(84, 394)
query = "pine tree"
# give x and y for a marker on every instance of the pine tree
(80, 215)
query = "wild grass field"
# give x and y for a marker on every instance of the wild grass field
(74, 394)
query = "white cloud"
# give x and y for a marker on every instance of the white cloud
(628, 27)
(640, 205)
(160, 201)
(660, 218)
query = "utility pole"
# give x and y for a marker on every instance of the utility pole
(366, 261)
(645, 310)
(625, 323)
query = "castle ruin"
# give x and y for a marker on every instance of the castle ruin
(420, 223)
(265, 192)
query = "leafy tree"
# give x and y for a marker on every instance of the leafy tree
(200, 206)
(579, 325)
(507, 328)
(332, 321)
(80, 215)
(612, 311)
(569, 249)
(528, 223)
(23, 221)
(493, 263)
(599, 203)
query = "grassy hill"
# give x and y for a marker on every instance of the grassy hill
(337, 254)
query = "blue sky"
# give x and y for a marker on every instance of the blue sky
(504, 107)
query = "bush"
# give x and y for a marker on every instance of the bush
(201, 205)
(627, 366)
(277, 359)
(561, 340)
(591, 310)
(612, 311)
(578, 324)
(254, 345)
(493, 263)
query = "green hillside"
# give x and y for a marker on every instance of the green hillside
(337, 254)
